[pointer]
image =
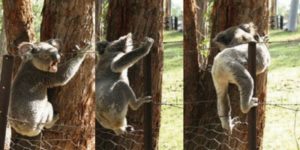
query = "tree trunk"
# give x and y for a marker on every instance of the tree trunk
(73, 23)
(203, 127)
(98, 13)
(292, 23)
(142, 18)
(167, 15)
(201, 19)
(202, 25)
(18, 27)
(191, 68)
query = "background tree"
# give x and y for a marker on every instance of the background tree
(18, 24)
(201, 110)
(18, 27)
(292, 22)
(142, 18)
(73, 23)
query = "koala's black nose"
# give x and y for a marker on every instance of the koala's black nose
(55, 56)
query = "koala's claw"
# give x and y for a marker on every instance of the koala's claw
(253, 102)
(129, 128)
(147, 99)
(148, 40)
(230, 124)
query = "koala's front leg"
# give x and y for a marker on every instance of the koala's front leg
(68, 69)
(130, 58)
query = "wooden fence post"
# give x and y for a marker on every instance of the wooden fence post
(5, 84)
(252, 113)
(148, 141)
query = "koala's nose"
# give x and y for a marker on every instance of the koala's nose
(55, 57)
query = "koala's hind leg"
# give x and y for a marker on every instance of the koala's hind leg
(51, 120)
(245, 85)
(223, 102)
(134, 103)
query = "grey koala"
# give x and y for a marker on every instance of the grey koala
(235, 35)
(113, 92)
(230, 66)
(30, 111)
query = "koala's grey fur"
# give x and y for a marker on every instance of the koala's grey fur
(113, 92)
(30, 111)
(230, 66)
(235, 35)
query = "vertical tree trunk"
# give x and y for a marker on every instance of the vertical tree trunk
(191, 69)
(273, 7)
(167, 15)
(203, 126)
(73, 23)
(292, 24)
(202, 25)
(201, 19)
(18, 27)
(98, 13)
(142, 18)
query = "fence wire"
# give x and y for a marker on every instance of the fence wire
(208, 136)
(58, 138)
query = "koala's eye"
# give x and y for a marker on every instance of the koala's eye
(44, 55)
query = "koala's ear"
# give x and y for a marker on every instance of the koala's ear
(24, 48)
(222, 39)
(55, 42)
(101, 46)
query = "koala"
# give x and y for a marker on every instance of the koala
(230, 66)
(113, 92)
(235, 35)
(29, 110)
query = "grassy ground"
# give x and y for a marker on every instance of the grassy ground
(171, 131)
(282, 128)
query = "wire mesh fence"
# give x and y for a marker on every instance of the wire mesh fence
(208, 135)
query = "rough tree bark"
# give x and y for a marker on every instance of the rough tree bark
(201, 10)
(167, 14)
(98, 13)
(203, 125)
(142, 18)
(191, 68)
(73, 23)
(18, 27)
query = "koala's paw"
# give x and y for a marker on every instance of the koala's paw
(146, 99)
(228, 123)
(81, 51)
(129, 128)
(253, 102)
(52, 122)
(148, 40)
(119, 132)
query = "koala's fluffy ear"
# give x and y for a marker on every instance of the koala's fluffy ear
(24, 48)
(100, 46)
(222, 38)
(248, 27)
(55, 42)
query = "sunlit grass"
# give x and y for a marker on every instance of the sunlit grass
(171, 131)
(282, 128)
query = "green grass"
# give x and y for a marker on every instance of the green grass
(283, 87)
(171, 131)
